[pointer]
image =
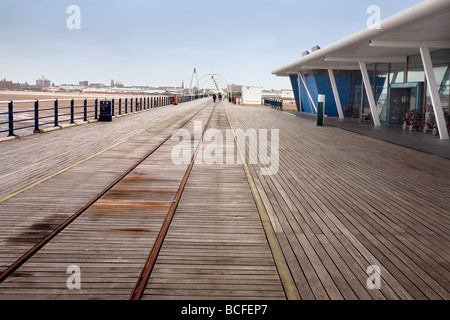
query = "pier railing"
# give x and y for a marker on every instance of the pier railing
(37, 114)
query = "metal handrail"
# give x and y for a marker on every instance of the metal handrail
(125, 105)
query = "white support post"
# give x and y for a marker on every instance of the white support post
(369, 92)
(307, 91)
(336, 94)
(435, 99)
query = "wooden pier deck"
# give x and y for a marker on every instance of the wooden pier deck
(342, 202)
(338, 204)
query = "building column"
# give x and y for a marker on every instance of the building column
(307, 91)
(435, 99)
(336, 94)
(369, 92)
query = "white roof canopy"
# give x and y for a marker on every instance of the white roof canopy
(426, 24)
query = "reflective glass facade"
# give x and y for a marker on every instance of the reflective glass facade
(383, 76)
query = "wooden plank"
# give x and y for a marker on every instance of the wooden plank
(339, 187)
(115, 235)
(217, 211)
(121, 221)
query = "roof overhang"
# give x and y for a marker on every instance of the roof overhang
(426, 24)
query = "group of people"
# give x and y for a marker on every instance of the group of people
(215, 97)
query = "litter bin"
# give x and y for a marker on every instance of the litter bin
(105, 111)
(175, 100)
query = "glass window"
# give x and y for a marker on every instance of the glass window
(415, 69)
(397, 72)
(441, 74)
(381, 89)
(441, 66)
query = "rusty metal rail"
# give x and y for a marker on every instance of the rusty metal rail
(38, 246)
(143, 280)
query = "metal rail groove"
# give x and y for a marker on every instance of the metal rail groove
(25, 257)
(148, 267)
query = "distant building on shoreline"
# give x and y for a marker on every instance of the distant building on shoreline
(16, 86)
(43, 82)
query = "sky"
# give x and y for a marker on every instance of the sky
(159, 43)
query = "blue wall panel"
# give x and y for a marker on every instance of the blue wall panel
(313, 91)
(322, 85)
(306, 105)
(344, 85)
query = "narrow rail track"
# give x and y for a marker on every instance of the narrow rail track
(140, 287)
(39, 245)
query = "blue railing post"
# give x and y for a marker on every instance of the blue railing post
(112, 107)
(56, 113)
(140, 104)
(72, 111)
(126, 105)
(36, 117)
(120, 106)
(96, 109)
(131, 105)
(85, 110)
(11, 119)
